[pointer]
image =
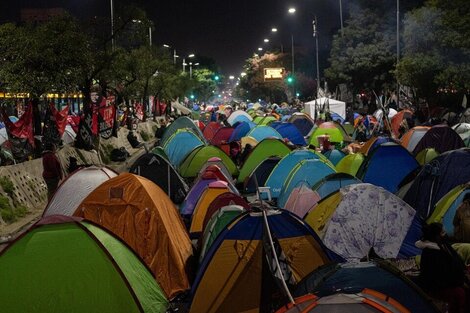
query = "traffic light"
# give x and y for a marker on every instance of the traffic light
(192, 97)
(290, 79)
(216, 77)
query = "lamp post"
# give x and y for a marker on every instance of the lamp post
(174, 53)
(315, 35)
(184, 62)
(112, 25)
(191, 69)
(292, 11)
(398, 51)
(341, 17)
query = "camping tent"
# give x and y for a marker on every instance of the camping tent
(235, 269)
(336, 106)
(65, 264)
(143, 216)
(180, 145)
(75, 188)
(440, 137)
(350, 164)
(181, 123)
(303, 122)
(195, 160)
(163, 174)
(289, 131)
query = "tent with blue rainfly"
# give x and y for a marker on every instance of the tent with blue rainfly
(267, 148)
(196, 159)
(289, 131)
(163, 174)
(445, 209)
(284, 167)
(65, 264)
(309, 171)
(303, 122)
(261, 132)
(240, 130)
(333, 183)
(180, 145)
(236, 273)
(436, 179)
(378, 275)
(260, 174)
(334, 155)
(359, 217)
(440, 137)
(387, 165)
(239, 116)
(182, 122)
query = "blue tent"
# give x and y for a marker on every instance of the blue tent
(334, 182)
(182, 122)
(261, 173)
(240, 130)
(261, 132)
(241, 119)
(180, 145)
(354, 277)
(284, 167)
(303, 123)
(437, 178)
(334, 155)
(337, 118)
(309, 171)
(387, 166)
(289, 131)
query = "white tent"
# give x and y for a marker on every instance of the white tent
(181, 108)
(338, 107)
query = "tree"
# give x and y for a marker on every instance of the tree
(437, 59)
(363, 58)
(205, 85)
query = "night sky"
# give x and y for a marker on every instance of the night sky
(229, 31)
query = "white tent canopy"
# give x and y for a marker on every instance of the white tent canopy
(336, 106)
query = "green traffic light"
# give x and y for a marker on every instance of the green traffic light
(290, 79)
(216, 77)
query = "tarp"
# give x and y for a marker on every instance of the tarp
(63, 264)
(336, 106)
(163, 174)
(387, 165)
(76, 187)
(236, 260)
(143, 216)
(365, 217)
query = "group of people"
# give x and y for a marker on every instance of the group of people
(443, 272)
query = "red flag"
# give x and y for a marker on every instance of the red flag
(60, 117)
(23, 128)
(139, 111)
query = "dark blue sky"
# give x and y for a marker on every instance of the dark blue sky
(228, 31)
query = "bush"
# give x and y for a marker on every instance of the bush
(7, 185)
(145, 136)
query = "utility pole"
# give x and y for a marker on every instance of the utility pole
(112, 25)
(315, 35)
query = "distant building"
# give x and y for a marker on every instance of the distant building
(31, 15)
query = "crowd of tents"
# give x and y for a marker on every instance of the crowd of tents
(198, 225)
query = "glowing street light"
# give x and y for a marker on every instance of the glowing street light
(260, 49)
(242, 74)
(191, 55)
(291, 10)
(231, 77)
(274, 29)
(266, 40)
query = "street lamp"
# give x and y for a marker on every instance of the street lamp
(291, 10)
(274, 29)
(191, 69)
(266, 40)
(315, 35)
(341, 17)
(184, 61)
(174, 53)
(260, 49)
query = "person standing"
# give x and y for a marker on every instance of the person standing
(52, 172)
(462, 221)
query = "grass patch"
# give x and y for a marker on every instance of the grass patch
(7, 185)
(10, 214)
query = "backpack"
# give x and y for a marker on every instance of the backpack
(119, 155)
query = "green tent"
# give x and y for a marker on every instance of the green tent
(158, 150)
(264, 120)
(181, 123)
(350, 164)
(64, 264)
(219, 220)
(194, 162)
(267, 148)
(426, 155)
(335, 135)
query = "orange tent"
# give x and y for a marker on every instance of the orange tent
(397, 120)
(411, 138)
(143, 216)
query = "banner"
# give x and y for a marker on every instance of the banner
(61, 117)
(107, 118)
(23, 128)
(139, 111)
(73, 121)
(85, 134)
